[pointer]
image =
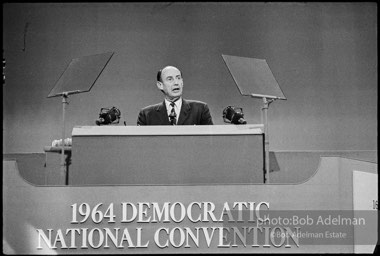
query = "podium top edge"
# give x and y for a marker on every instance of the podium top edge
(167, 130)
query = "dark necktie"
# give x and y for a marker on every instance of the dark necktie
(172, 115)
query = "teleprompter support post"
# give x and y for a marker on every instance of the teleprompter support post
(64, 171)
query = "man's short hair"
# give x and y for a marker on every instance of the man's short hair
(159, 78)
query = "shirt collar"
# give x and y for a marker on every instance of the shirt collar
(178, 104)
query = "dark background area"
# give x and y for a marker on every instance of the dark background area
(323, 55)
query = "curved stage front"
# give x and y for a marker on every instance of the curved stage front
(333, 211)
(40, 219)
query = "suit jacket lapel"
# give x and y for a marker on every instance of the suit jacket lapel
(163, 113)
(185, 110)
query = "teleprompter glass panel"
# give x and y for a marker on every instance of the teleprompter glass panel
(81, 74)
(253, 77)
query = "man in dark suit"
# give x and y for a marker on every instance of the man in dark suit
(174, 110)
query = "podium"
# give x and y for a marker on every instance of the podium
(167, 155)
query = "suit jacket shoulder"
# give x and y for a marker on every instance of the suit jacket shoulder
(152, 107)
(194, 112)
(194, 102)
(155, 114)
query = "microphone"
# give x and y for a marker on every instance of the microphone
(108, 116)
(233, 115)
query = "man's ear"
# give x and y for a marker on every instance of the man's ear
(160, 86)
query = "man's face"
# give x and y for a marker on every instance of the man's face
(172, 83)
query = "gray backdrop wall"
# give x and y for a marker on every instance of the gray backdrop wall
(323, 55)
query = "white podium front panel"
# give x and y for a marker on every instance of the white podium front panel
(177, 155)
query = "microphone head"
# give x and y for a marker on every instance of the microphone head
(233, 115)
(108, 116)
